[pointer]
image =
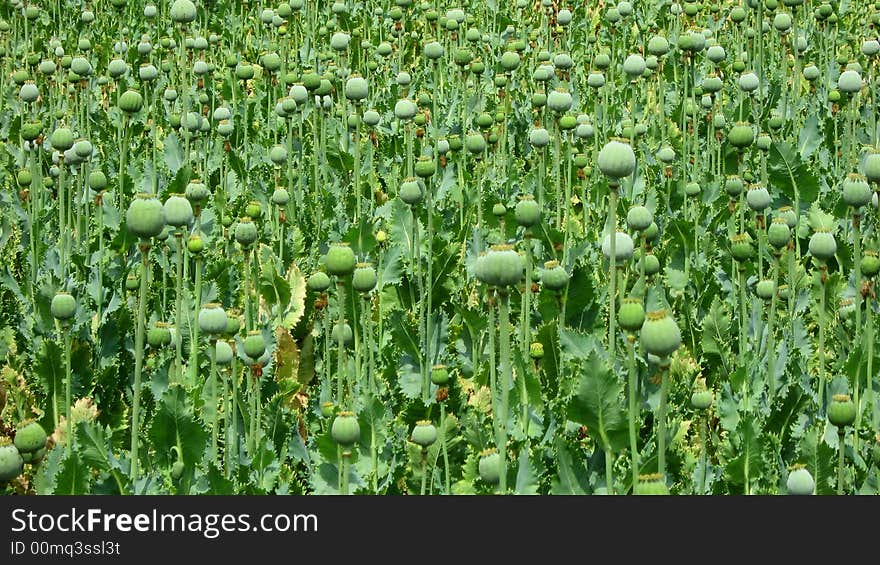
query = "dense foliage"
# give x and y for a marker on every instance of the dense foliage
(390, 247)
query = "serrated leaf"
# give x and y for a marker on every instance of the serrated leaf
(716, 327)
(174, 424)
(676, 279)
(743, 453)
(526, 482)
(575, 345)
(73, 476)
(571, 477)
(820, 460)
(598, 404)
(789, 174)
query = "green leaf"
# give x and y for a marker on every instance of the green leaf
(676, 279)
(716, 328)
(571, 477)
(599, 404)
(820, 459)
(175, 425)
(575, 345)
(789, 174)
(49, 368)
(73, 477)
(809, 138)
(743, 453)
(526, 482)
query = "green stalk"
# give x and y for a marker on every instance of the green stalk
(346, 456)
(504, 332)
(869, 313)
(704, 425)
(612, 292)
(194, 344)
(841, 459)
(661, 417)
(340, 377)
(68, 377)
(212, 355)
(178, 347)
(633, 409)
(857, 258)
(424, 472)
(139, 359)
(443, 447)
(822, 339)
(525, 315)
(771, 336)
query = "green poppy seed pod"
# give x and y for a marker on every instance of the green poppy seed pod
(596, 79)
(536, 350)
(490, 466)
(253, 210)
(811, 72)
(849, 82)
(342, 334)
(364, 277)
(665, 154)
(11, 463)
(749, 82)
(800, 482)
(658, 46)
(233, 323)
(212, 319)
(631, 316)
(30, 437)
(716, 54)
(405, 109)
(856, 190)
(870, 263)
(196, 191)
(841, 411)
(554, 276)
(345, 429)
(411, 191)
(328, 409)
(372, 118)
(278, 155)
(764, 289)
(870, 47)
(83, 148)
(733, 186)
(527, 211)
(145, 217)
(425, 167)
(440, 375)
(424, 434)
(741, 247)
(510, 61)
(616, 159)
(639, 218)
(244, 71)
(62, 139)
(788, 214)
(559, 100)
(131, 101)
(567, 122)
(763, 141)
(81, 66)
(692, 189)
(634, 66)
(758, 197)
(651, 485)
(623, 247)
(254, 344)
(132, 281)
(195, 244)
(475, 143)
(178, 211)
(319, 281)
(871, 166)
(434, 50)
(823, 246)
(31, 130)
(339, 41)
(159, 335)
(183, 11)
(741, 135)
(24, 178)
(660, 334)
(539, 137)
(280, 197)
(502, 266)
(63, 306)
(356, 88)
(223, 353)
(340, 260)
(779, 234)
(701, 399)
(29, 92)
(246, 232)
(499, 210)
